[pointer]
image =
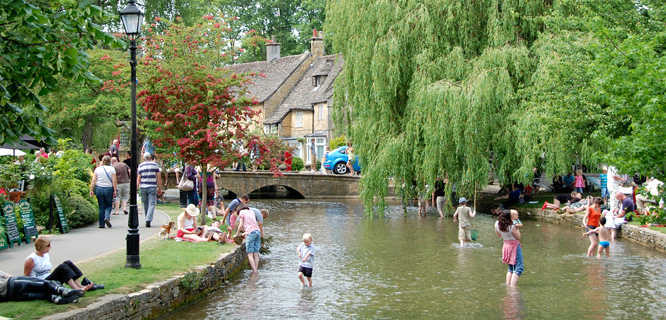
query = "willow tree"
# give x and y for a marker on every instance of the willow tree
(430, 88)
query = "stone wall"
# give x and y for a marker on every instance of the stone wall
(644, 236)
(161, 297)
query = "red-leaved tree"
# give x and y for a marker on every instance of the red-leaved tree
(192, 101)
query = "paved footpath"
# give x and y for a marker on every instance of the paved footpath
(82, 243)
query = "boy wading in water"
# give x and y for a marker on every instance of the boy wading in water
(464, 215)
(305, 259)
(604, 237)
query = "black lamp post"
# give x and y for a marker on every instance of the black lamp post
(132, 18)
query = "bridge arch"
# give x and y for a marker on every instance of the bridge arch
(276, 191)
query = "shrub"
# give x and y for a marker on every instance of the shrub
(337, 142)
(297, 164)
(79, 211)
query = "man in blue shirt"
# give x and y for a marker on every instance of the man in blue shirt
(233, 205)
(149, 181)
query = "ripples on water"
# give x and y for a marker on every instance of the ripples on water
(398, 267)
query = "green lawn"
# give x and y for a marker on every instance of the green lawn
(160, 260)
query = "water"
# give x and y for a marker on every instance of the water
(400, 267)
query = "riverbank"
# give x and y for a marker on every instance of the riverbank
(161, 297)
(161, 262)
(650, 238)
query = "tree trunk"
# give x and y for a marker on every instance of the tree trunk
(204, 194)
(87, 136)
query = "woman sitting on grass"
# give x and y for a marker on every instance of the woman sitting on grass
(38, 265)
(187, 225)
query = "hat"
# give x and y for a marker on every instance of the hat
(192, 210)
(462, 199)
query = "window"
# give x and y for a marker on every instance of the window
(298, 119)
(267, 128)
(320, 112)
(317, 81)
(320, 145)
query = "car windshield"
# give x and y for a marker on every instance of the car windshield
(342, 150)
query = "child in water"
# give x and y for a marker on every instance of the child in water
(604, 237)
(306, 260)
(463, 216)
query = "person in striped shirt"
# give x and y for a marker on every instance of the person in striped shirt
(149, 181)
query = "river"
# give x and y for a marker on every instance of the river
(401, 267)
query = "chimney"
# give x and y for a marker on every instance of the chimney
(272, 50)
(317, 43)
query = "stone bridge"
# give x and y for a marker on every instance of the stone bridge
(307, 185)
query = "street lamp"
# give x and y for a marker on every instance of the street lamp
(132, 18)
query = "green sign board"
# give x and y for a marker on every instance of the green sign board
(4, 243)
(62, 220)
(9, 226)
(28, 218)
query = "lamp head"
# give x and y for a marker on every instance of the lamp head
(132, 18)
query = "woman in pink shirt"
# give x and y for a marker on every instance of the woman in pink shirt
(252, 235)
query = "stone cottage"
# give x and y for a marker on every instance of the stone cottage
(295, 96)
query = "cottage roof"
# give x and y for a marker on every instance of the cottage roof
(305, 94)
(276, 73)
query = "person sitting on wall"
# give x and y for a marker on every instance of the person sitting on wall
(31, 288)
(38, 265)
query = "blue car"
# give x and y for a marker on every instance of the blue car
(336, 161)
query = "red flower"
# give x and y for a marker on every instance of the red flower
(217, 25)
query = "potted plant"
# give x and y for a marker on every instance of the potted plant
(10, 175)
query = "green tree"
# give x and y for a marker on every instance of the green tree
(85, 112)
(427, 91)
(289, 21)
(42, 40)
(432, 90)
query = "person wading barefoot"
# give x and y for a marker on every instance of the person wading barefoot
(512, 252)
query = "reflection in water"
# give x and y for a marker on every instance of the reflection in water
(398, 267)
(512, 304)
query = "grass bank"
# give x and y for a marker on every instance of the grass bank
(160, 260)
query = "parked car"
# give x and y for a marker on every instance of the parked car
(336, 161)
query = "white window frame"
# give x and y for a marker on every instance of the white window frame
(298, 119)
(320, 112)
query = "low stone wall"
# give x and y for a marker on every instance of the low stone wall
(644, 236)
(161, 297)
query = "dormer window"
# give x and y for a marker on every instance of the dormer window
(317, 81)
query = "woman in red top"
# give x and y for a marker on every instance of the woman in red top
(591, 222)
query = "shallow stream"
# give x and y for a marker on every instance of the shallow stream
(399, 267)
